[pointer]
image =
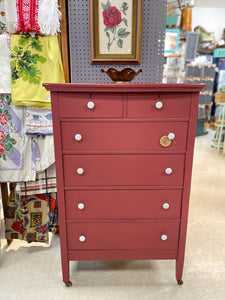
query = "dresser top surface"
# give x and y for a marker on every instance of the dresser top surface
(123, 87)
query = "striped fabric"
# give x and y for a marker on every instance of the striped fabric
(45, 183)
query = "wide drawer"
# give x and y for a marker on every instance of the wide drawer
(123, 136)
(123, 204)
(122, 235)
(123, 170)
(154, 105)
(106, 105)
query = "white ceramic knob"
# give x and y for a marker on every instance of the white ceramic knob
(171, 136)
(166, 205)
(164, 237)
(78, 137)
(169, 171)
(90, 105)
(80, 206)
(159, 105)
(82, 238)
(80, 171)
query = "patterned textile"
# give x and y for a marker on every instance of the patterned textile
(21, 155)
(33, 16)
(27, 15)
(15, 146)
(30, 218)
(11, 17)
(39, 121)
(5, 60)
(35, 60)
(43, 154)
(45, 183)
(49, 17)
(2, 18)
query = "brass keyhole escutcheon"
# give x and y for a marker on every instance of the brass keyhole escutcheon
(165, 141)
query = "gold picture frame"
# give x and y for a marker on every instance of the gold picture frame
(115, 31)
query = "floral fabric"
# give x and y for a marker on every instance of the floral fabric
(21, 155)
(2, 18)
(33, 16)
(5, 60)
(30, 218)
(15, 147)
(35, 60)
(39, 121)
(11, 16)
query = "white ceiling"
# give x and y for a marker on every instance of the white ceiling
(210, 3)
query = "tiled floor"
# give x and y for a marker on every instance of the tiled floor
(35, 272)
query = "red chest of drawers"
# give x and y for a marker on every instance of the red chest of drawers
(123, 161)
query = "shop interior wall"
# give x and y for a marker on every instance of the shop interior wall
(152, 45)
(211, 15)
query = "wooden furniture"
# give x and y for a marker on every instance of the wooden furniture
(123, 161)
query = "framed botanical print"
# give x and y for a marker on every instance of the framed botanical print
(115, 31)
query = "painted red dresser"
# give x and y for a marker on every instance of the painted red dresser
(123, 161)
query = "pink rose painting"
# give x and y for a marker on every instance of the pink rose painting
(112, 17)
(115, 21)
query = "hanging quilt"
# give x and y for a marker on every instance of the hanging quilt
(35, 60)
(30, 218)
(5, 63)
(15, 146)
(39, 121)
(33, 16)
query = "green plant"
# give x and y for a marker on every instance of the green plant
(24, 61)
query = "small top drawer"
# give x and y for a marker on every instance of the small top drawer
(155, 105)
(91, 105)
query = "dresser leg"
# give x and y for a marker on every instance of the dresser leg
(179, 270)
(66, 272)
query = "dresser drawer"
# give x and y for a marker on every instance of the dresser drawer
(99, 170)
(122, 235)
(95, 105)
(123, 136)
(154, 105)
(123, 204)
